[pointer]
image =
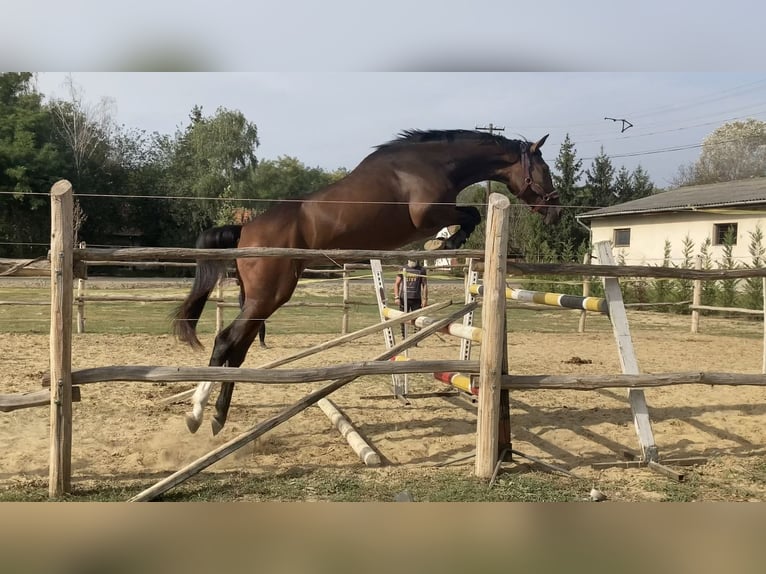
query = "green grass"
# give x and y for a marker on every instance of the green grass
(153, 318)
(318, 484)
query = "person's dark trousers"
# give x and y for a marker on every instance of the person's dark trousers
(412, 305)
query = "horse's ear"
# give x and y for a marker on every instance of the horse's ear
(538, 144)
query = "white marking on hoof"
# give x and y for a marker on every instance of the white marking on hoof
(199, 400)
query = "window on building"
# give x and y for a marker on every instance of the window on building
(724, 231)
(622, 237)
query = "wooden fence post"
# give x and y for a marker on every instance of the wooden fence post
(62, 243)
(493, 326)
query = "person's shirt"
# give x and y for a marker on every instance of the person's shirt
(414, 281)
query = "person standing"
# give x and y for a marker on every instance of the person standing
(411, 288)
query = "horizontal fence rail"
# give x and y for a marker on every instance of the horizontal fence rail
(152, 374)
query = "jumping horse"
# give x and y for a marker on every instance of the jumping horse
(405, 190)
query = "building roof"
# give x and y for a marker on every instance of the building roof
(715, 195)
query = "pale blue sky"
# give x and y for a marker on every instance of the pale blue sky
(334, 119)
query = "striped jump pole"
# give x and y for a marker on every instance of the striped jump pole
(459, 381)
(455, 329)
(597, 304)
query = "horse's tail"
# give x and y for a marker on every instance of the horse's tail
(209, 271)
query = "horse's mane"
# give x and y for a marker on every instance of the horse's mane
(448, 136)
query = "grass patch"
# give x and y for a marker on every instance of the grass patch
(320, 484)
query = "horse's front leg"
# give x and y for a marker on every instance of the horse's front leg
(466, 217)
(470, 217)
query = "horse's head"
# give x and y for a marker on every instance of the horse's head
(529, 178)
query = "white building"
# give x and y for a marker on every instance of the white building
(639, 229)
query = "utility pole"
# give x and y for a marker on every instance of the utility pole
(491, 128)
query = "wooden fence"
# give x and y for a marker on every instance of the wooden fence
(492, 366)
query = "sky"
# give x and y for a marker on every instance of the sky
(334, 119)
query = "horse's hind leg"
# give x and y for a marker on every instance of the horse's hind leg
(230, 349)
(202, 393)
(199, 400)
(233, 344)
(268, 284)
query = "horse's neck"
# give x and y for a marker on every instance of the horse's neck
(474, 164)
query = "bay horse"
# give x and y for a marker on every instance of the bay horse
(405, 190)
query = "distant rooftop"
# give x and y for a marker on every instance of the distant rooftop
(727, 194)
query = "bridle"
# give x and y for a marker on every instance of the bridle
(529, 183)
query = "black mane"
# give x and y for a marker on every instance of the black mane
(448, 136)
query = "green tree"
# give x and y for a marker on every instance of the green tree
(753, 291)
(663, 288)
(709, 288)
(567, 237)
(642, 185)
(623, 185)
(29, 164)
(212, 160)
(138, 167)
(599, 181)
(287, 177)
(728, 293)
(685, 287)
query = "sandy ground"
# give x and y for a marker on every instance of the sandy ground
(123, 432)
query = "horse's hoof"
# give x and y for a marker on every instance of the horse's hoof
(264, 346)
(192, 423)
(453, 229)
(456, 241)
(216, 425)
(433, 244)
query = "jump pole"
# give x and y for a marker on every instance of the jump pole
(363, 450)
(455, 329)
(248, 436)
(493, 327)
(596, 304)
(62, 292)
(329, 344)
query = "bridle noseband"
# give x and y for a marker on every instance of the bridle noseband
(529, 183)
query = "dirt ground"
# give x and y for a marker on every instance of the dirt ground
(123, 432)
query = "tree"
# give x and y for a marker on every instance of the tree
(623, 185)
(736, 150)
(212, 160)
(642, 185)
(567, 236)
(599, 181)
(287, 177)
(84, 130)
(29, 164)
(138, 165)
(82, 126)
(632, 185)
